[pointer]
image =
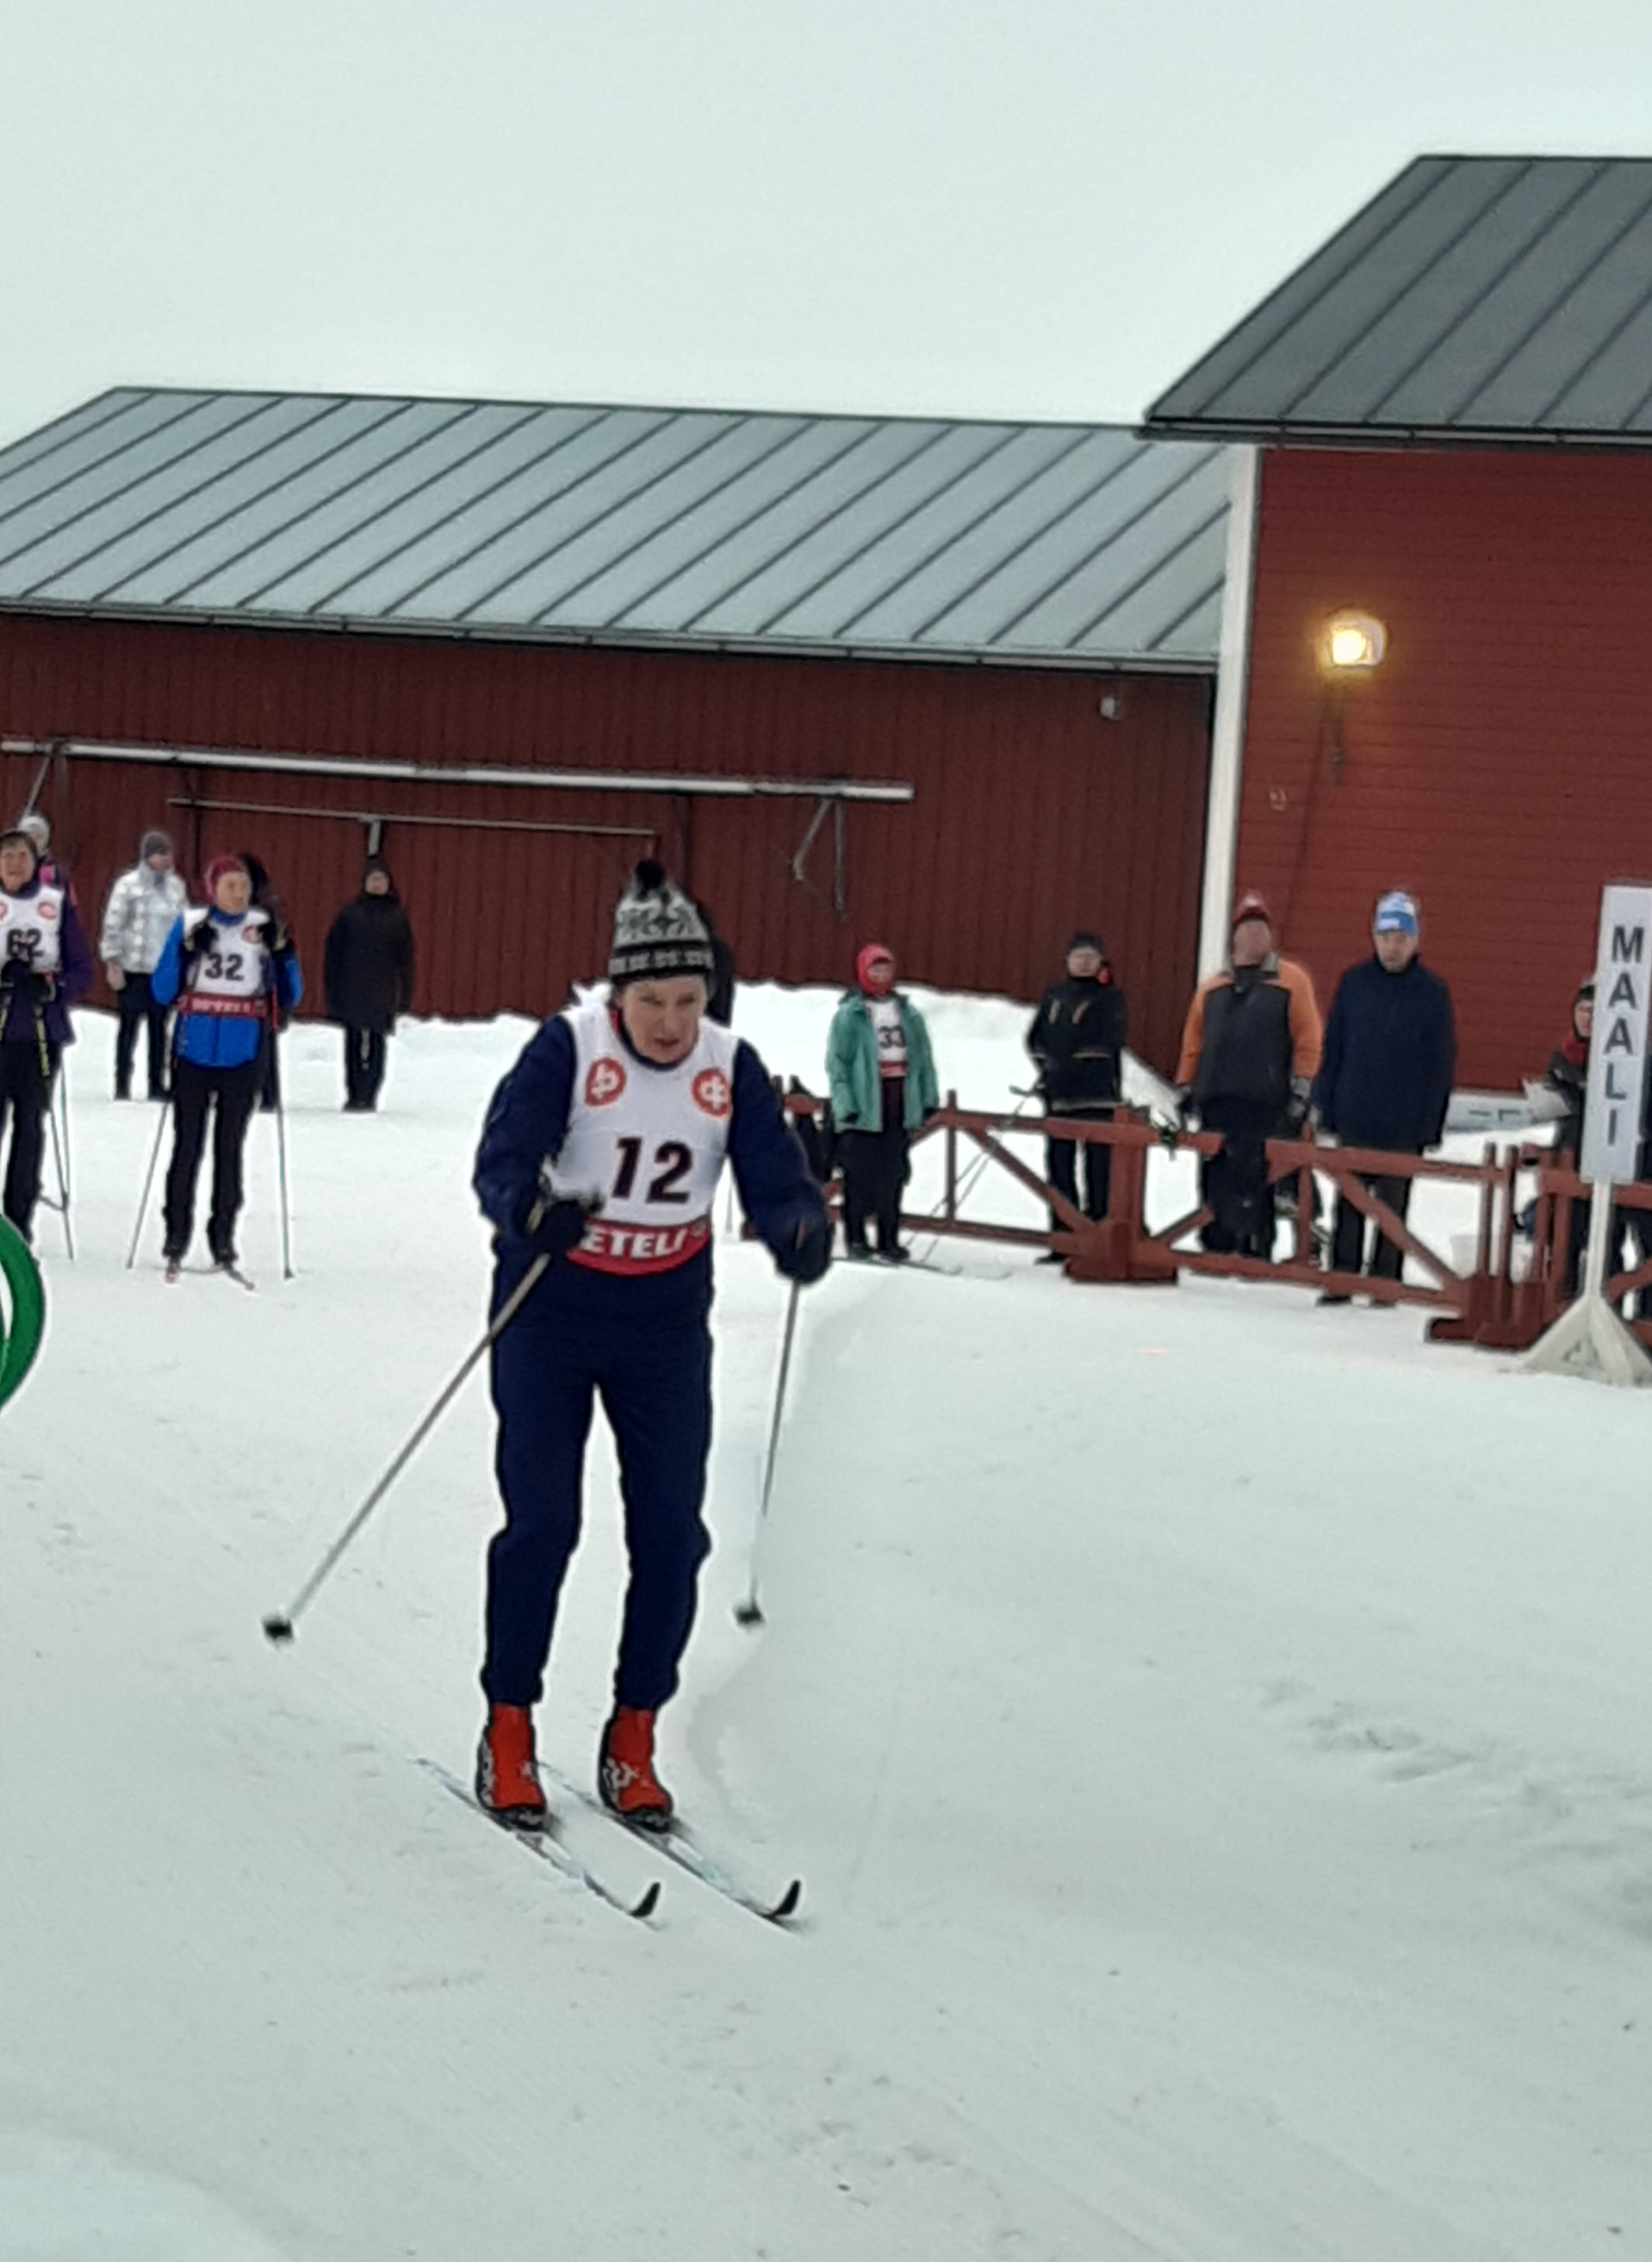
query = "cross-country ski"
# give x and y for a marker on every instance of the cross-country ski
(549, 1847)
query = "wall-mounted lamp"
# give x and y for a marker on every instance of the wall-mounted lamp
(1350, 641)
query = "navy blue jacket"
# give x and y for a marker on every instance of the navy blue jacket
(1390, 1055)
(68, 986)
(528, 1122)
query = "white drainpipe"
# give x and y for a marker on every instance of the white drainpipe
(1227, 736)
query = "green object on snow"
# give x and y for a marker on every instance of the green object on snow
(22, 1310)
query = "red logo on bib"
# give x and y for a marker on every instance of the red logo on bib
(4, 907)
(604, 1081)
(48, 910)
(711, 1093)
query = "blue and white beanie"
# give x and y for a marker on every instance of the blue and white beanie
(1396, 913)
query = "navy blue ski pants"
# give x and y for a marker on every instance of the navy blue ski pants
(654, 1381)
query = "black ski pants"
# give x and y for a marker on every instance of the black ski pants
(139, 1010)
(1347, 1245)
(1062, 1169)
(1233, 1183)
(234, 1093)
(875, 1170)
(364, 1066)
(654, 1381)
(25, 1096)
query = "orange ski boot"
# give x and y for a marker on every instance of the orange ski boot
(507, 1778)
(625, 1774)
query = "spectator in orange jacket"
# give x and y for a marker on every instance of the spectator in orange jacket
(1250, 1053)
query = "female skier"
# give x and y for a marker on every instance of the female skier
(227, 966)
(45, 967)
(884, 1087)
(602, 1150)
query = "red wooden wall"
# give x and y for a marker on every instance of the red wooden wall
(1034, 811)
(1499, 762)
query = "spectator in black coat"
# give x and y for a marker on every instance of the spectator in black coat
(1385, 1078)
(368, 980)
(1567, 1073)
(1078, 1039)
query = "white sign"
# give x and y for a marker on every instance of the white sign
(1618, 1047)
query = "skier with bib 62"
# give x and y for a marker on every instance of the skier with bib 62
(226, 967)
(602, 1151)
(45, 967)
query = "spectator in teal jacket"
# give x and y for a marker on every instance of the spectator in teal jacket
(883, 1087)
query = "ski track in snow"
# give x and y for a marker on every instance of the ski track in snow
(1210, 1731)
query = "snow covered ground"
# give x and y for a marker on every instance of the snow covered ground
(1214, 1732)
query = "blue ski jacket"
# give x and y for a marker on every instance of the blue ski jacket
(220, 1039)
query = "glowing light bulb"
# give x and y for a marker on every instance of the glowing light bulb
(1353, 640)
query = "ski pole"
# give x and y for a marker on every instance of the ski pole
(281, 1625)
(60, 1164)
(48, 1087)
(149, 1183)
(287, 1212)
(749, 1611)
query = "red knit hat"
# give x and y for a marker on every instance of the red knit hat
(219, 869)
(864, 963)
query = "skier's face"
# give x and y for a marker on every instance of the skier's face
(233, 893)
(16, 866)
(662, 1017)
(1083, 964)
(377, 883)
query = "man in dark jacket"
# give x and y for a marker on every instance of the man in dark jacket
(1077, 1038)
(368, 980)
(1250, 1052)
(1385, 1080)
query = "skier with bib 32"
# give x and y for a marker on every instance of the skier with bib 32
(602, 1150)
(227, 966)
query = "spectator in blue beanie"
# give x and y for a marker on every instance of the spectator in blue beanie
(1385, 1079)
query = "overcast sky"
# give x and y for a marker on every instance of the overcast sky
(1040, 208)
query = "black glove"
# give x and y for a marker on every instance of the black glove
(280, 942)
(551, 1228)
(19, 975)
(806, 1256)
(200, 939)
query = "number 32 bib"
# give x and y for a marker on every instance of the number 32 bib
(229, 977)
(650, 1141)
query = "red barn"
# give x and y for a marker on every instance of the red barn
(945, 684)
(1450, 413)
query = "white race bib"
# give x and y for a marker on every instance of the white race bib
(650, 1141)
(231, 974)
(31, 929)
